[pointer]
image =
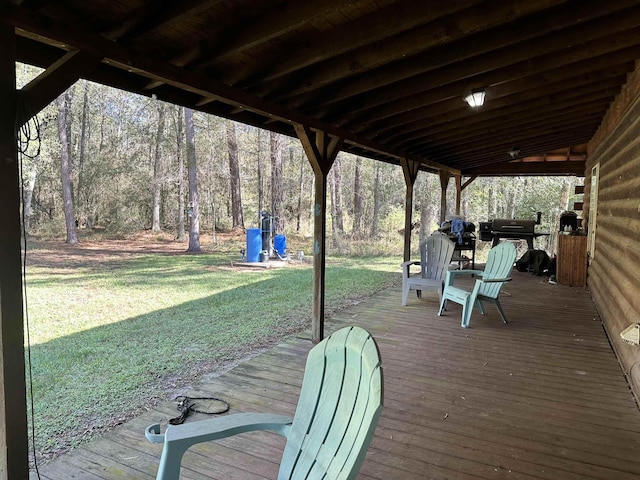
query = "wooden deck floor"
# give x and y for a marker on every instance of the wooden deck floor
(540, 398)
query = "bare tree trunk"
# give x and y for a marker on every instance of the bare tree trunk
(465, 207)
(331, 178)
(82, 197)
(64, 126)
(27, 193)
(234, 176)
(259, 173)
(277, 182)
(157, 171)
(179, 136)
(492, 208)
(358, 208)
(425, 219)
(512, 199)
(337, 183)
(194, 210)
(376, 203)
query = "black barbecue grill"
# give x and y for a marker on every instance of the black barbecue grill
(514, 229)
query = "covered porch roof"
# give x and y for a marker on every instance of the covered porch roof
(540, 398)
(386, 76)
(382, 79)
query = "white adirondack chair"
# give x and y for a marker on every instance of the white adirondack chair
(435, 256)
(338, 410)
(487, 287)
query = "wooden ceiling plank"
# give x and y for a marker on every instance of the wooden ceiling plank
(398, 47)
(565, 94)
(255, 31)
(562, 118)
(537, 72)
(153, 16)
(504, 66)
(535, 145)
(514, 117)
(531, 168)
(320, 46)
(262, 28)
(494, 40)
(569, 95)
(544, 107)
(516, 134)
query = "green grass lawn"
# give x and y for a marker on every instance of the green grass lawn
(111, 337)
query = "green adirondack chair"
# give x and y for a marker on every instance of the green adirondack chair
(487, 287)
(338, 410)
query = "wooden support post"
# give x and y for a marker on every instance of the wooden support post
(458, 179)
(410, 170)
(14, 460)
(321, 150)
(444, 184)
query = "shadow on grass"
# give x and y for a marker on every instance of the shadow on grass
(91, 380)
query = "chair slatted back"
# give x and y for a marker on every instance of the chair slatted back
(435, 256)
(499, 264)
(338, 410)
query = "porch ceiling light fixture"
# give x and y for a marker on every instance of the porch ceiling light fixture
(475, 98)
(514, 152)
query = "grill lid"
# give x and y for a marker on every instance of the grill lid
(513, 225)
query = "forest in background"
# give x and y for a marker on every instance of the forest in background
(117, 163)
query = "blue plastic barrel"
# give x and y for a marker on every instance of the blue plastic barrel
(254, 244)
(280, 244)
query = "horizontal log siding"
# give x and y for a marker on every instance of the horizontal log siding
(614, 272)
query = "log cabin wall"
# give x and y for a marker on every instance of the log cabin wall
(614, 270)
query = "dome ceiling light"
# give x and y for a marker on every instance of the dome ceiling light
(475, 98)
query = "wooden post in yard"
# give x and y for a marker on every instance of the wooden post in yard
(321, 150)
(410, 171)
(14, 460)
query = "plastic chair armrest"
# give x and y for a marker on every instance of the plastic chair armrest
(221, 427)
(494, 280)
(410, 262)
(456, 273)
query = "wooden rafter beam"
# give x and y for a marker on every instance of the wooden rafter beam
(63, 73)
(396, 18)
(496, 48)
(259, 30)
(468, 182)
(554, 73)
(150, 17)
(576, 168)
(265, 27)
(520, 136)
(121, 57)
(474, 19)
(514, 131)
(562, 104)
